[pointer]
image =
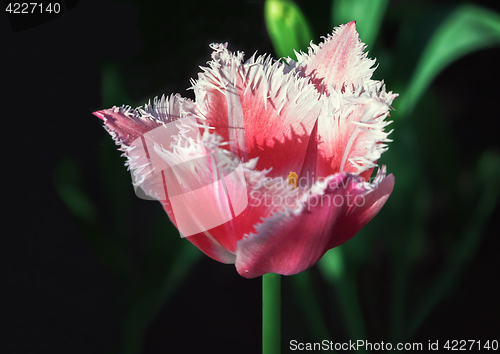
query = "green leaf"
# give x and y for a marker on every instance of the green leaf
(368, 15)
(287, 27)
(467, 29)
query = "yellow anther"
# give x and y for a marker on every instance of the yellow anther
(293, 179)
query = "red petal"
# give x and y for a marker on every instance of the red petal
(261, 110)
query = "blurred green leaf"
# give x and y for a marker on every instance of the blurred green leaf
(332, 264)
(112, 85)
(407, 211)
(304, 290)
(117, 187)
(487, 172)
(368, 15)
(287, 27)
(68, 184)
(333, 267)
(169, 259)
(467, 29)
(110, 249)
(162, 275)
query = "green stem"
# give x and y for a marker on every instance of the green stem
(271, 313)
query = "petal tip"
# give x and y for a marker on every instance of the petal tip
(100, 115)
(351, 28)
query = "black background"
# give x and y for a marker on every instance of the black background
(56, 295)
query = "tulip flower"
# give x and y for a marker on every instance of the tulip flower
(270, 166)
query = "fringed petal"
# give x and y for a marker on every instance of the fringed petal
(211, 194)
(205, 184)
(266, 195)
(367, 200)
(291, 241)
(137, 131)
(220, 166)
(261, 108)
(351, 130)
(338, 63)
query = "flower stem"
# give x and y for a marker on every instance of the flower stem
(271, 313)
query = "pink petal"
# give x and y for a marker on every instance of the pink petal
(211, 194)
(206, 185)
(291, 241)
(226, 189)
(137, 131)
(339, 62)
(352, 138)
(265, 196)
(260, 108)
(356, 217)
(207, 244)
(309, 170)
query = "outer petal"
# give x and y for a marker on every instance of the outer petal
(208, 245)
(125, 125)
(137, 131)
(339, 62)
(141, 133)
(291, 241)
(206, 184)
(261, 108)
(213, 197)
(204, 240)
(266, 196)
(351, 130)
(374, 196)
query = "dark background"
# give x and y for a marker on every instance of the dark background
(58, 297)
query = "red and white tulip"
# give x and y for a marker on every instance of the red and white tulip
(269, 167)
